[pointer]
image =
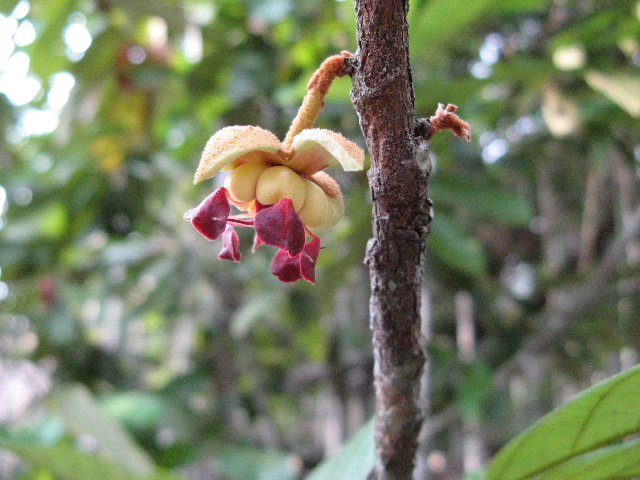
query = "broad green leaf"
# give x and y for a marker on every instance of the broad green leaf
(354, 461)
(82, 415)
(494, 202)
(455, 247)
(68, 463)
(609, 463)
(602, 415)
(65, 461)
(621, 88)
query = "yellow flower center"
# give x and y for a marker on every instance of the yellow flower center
(269, 184)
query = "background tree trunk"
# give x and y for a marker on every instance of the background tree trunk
(384, 99)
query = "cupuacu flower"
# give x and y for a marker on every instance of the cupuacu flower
(279, 187)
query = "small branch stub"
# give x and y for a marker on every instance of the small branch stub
(445, 118)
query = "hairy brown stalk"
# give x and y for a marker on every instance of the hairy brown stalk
(317, 89)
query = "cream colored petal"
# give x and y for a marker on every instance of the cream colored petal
(316, 149)
(327, 184)
(316, 206)
(233, 146)
(278, 182)
(335, 207)
(335, 211)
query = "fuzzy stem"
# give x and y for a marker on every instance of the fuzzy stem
(317, 89)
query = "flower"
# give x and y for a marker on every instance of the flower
(285, 195)
(279, 186)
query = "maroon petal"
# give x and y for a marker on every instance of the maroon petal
(280, 226)
(256, 242)
(308, 259)
(230, 243)
(286, 267)
(291, 268)
(210, 217)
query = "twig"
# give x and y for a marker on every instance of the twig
(383, 96)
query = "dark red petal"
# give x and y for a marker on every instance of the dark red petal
(260, 206)
(308, 259)
(286, 267)
(230, 243)
(210, 217)
(303, 265)
(280, 226)
(256, 242)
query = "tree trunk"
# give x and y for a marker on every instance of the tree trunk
(384, 99)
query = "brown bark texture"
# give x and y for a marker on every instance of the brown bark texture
(384, 99)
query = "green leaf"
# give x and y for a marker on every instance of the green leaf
(572, 437)
(68, 463)
(83, 416)
(492, 201)
(436, 20)
(455, 247)
(612, 462)
(354, 461)
(621, 88)
(441, 20)
(65, 461)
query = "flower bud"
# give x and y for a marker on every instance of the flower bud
(280, 182)
(315, 209)
(242, 181)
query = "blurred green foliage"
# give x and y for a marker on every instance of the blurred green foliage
(215, 370)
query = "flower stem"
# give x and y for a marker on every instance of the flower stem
(313, 101)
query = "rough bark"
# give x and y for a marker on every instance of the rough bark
(384, 99)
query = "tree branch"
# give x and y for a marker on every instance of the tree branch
(384, 99)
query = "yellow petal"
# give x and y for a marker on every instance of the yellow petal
(233, 146)
(242, 180)
(276, 183)
(316, 205)
(316, 149)
(335, 211)
(335, 206)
